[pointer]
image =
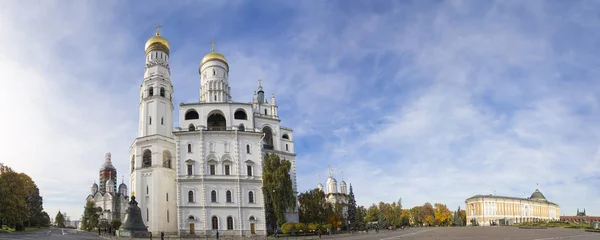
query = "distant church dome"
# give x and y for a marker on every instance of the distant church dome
(107, 162)
(110, 181)
(122, 186)
(95, 186)
(157, 42)
(537, 195)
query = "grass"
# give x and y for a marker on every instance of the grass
(6, 229)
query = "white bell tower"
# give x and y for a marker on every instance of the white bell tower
(214, 74)
(152, 178)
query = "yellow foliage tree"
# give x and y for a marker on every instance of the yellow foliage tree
(443, 216)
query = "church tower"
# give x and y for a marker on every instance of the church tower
(152, 174)
(214, 84)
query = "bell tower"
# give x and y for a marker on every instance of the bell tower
(214, 74)
(152, 169)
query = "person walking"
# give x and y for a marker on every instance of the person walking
(217, 234)
(162, 235)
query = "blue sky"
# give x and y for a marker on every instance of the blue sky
(428, 101)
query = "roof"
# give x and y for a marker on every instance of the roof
(537, 195)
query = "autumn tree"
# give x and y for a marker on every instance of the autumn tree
(463, 216)
(277, 189)
(427, 214)
(59, 220)
(415, 213)
(405, 218)
(442, 214)
(313, 207)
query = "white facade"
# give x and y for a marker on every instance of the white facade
(152, 170)
(113, 202)
(333, 196)
(212, 163)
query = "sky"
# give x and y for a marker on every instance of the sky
(427, 101)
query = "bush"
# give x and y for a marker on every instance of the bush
(300, 227)
(313, 227)
(287, 227)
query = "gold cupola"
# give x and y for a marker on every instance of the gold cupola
(157, 43)
(213, 56)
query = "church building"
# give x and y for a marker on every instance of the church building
(333, 196)
(112, 203)
(206, 175)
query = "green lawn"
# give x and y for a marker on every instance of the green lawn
(6, 229)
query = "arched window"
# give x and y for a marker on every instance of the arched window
(216, 122)
(228, 196)
(191, 115)
(162, 121)
(189, 147)
(149, 120)
(250, 197)
(266, 112)
(249, 170)
(147, 158)
(190, 196)
(285, 136)
(215, 223)
(191, 127)
(247, 148)
(241, 128)
(286, 147)
(229, 223)
(191, 218)
(227, 169)
(162, 91)
(150, 91)
(240, 114)
(166, 159)
(213, 196)
(190, 169)
(214, 72)
(268, 139)
(212, 169)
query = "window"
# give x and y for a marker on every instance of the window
(167, 197)
(266, 112)
(162, 91)
(149, 120)
(162, 121)
(190, 196)
(167, 159)
(247, 148)
(228, 196)
(285, 136)
(215, 223)
(191, 127)
(189, 170)
(215, 97)
(229, 223)
(191, 115)
(147, 158)
(151, 91)
(189, 147)
(213, 196)
(227, 170)
(147, 215)
(147, 190)
(216, 122)
(240, 114)
(250, 197)
(249, 170)
(241, 128)
(212, 169)
(286, 147)
(132, 163)
(167, 215)
(214, 72)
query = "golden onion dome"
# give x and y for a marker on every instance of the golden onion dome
(213, 56)
(157, 42)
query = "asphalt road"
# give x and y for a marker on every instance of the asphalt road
(50, 234)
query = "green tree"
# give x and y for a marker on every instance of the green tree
(372, 214)
(13, 196)
(463, 217)
(59, 220)
(33, 200)
(427, 214)
(361, 214)
(45, 219)
(352, 210)
(115, 224)
(415, 213)
(313, 207)
(277, 189)
(90, 217)
(457, 219)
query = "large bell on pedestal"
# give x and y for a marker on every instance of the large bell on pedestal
(133, 226)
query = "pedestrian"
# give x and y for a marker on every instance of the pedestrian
(319, 233)
(150, 235)
(217, 234)
(98, 231)
(162, 235)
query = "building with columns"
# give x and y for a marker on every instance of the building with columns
(486, 210)
(112, 201)
(206, 174)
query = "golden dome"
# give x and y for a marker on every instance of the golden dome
(158, 41)
(213, 56)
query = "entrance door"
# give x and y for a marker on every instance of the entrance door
(192, 230)
(252, 228)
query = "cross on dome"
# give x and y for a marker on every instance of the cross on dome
(157, 28)
(212, 42)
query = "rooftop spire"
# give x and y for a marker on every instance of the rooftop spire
(212, 42)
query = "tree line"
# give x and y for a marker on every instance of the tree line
(20, 202)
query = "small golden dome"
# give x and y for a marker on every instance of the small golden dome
(160, 42)
(213, 56)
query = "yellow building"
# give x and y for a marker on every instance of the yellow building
(486, 210)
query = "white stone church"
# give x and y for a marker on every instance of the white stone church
(205, 175)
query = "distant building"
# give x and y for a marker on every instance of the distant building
(486, 210)
(113, 203)
(333, 196)
(580, 217)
